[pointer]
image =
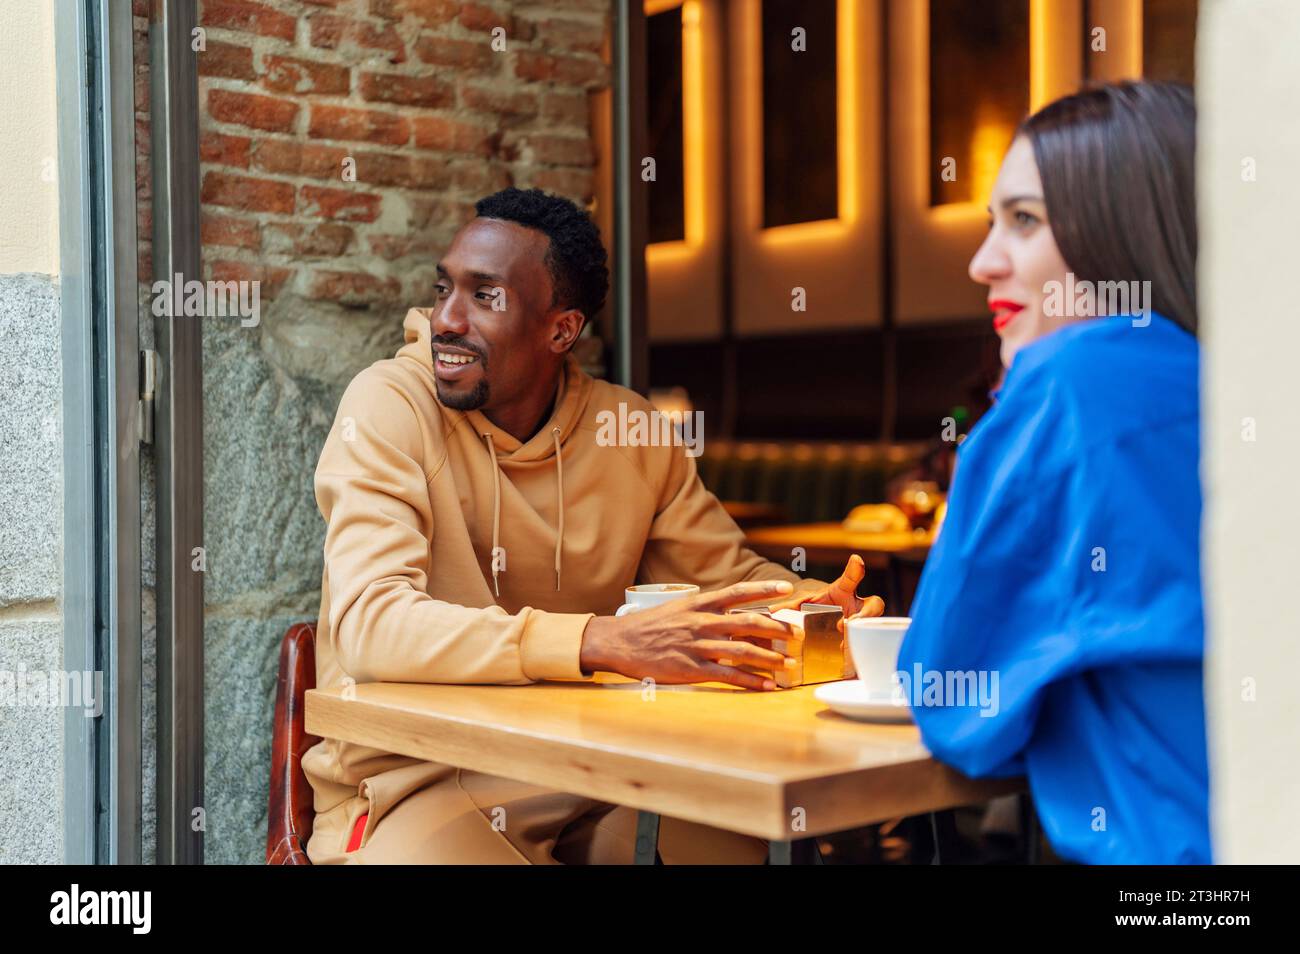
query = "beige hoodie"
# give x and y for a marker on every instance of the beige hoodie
(417, 498)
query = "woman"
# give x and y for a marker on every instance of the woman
(1068, 565)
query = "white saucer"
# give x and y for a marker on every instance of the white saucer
(850, 698)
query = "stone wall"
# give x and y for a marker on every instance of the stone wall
(343, 142)
(31, 567)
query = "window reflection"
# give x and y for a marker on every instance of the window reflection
(667, 221)
(1169, 40)
(979, 92)
(800, 160)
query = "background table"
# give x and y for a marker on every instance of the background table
(900, 557)
(740, 760)
(830, 543)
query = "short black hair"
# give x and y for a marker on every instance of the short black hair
(576, 257)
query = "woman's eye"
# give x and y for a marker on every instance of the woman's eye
(440, 290)
(1025, 219)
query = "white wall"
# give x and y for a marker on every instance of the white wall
(29, 232)
(1248, 78)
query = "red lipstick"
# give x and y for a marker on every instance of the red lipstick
(1003, 312)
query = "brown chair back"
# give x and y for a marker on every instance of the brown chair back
(290, 812)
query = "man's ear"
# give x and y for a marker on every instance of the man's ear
(565, 329)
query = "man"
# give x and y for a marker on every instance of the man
(479, 533)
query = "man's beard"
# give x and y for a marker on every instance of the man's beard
(472, 401)
(476, 398)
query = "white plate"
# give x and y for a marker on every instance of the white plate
(850, 698)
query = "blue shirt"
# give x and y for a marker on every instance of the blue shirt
(1068, 568)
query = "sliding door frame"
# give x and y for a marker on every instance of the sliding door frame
(100, 356)
(178, 430)
(105, 419)
(631, 202)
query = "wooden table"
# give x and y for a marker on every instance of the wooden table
(759, 763)
(830, 543)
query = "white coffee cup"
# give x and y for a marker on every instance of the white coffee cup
(874, 644)
(653, 594)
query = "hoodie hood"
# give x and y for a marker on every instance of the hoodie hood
(501, 447)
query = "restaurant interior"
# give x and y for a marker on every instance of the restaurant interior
(789, 270)
(820, 174)
(816, 186)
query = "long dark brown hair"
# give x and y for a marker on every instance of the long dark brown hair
(1118, 170)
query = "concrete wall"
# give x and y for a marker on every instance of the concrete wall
(31, 573)
(31, 509)
(1248, 85)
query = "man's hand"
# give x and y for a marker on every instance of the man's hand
(693, 639)
(842, 593)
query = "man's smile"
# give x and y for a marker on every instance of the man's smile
(451, 364)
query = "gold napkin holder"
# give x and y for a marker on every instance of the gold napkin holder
(824, 656)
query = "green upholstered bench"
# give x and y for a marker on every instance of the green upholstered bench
(810, 482)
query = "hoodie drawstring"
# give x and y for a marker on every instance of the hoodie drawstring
(496, 509)
(559, 493)
(496, 506)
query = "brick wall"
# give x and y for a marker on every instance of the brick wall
(414, 99)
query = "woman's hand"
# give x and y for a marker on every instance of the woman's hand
(842, 593)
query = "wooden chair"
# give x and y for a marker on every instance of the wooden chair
(290, 812)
